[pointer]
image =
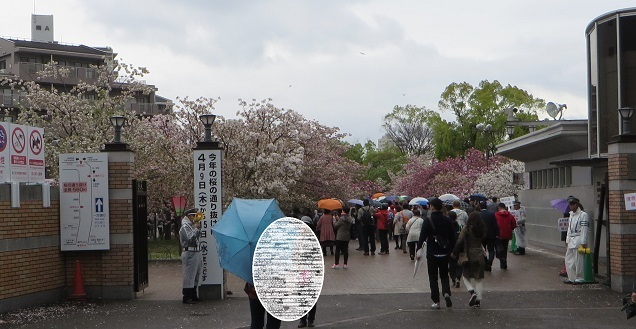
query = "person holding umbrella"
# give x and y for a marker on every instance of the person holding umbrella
(191, 260)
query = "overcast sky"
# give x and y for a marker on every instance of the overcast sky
(343, 63)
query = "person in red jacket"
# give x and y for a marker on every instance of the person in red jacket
(507, 223)
(383, 228)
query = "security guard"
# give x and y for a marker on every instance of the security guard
(577, 237)
(191, 260)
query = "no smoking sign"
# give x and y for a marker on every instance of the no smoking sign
(18, 140)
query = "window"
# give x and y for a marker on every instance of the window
(3, 65)
(551, 178)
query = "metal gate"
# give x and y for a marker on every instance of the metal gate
(140, 232)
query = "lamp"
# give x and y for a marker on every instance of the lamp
(117, 121)
(626, 114)
(208, 120)
(511, 131)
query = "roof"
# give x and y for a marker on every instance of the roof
(567, 136)
(82, 49)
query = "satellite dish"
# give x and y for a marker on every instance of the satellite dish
(554, 109)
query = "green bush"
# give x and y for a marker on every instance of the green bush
(163, 249)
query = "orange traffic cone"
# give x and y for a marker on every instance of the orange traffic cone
(78, 284)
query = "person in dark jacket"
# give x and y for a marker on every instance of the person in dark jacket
(492, 232)
(436, 232)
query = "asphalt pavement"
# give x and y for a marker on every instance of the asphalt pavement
(375, 292)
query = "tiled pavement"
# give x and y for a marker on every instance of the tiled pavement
(375, 292)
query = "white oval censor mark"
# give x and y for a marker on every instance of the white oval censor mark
(288, 269)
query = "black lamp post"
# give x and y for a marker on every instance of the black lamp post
(208, 120)
(626, 114)
(117, 121)
(511, 131)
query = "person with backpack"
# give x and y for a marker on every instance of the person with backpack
(437, 233)
(366, 215)
(382, 218)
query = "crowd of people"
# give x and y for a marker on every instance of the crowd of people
(459, 240)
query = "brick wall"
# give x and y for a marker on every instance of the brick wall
(34, 271)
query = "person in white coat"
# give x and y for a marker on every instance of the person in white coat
(576, 237)
(414, 227)
(520, 232)
(191, 259)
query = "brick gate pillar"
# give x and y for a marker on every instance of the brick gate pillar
(622, 179)
(118, 262)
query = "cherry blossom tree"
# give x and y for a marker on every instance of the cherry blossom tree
(499, 180)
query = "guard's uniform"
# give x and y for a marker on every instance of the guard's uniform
(520, 230)
(191, 260)
(577, 236)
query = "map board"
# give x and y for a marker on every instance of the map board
(84, 212)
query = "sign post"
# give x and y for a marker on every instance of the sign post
(208, 198)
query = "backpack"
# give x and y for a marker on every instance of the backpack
(442, 243)
(367, 218)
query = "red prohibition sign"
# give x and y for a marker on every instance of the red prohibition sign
(35, 142)
(18, 140)
(3, 139)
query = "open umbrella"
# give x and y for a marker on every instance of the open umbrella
(377, 195)
(478, 197)
(356, 201)
(375, 203)
(392, 198)
(561, 205)
(329, 204)
(462, 204)
(419, 200)
(448, 196)
(402, 198)
(238, 230)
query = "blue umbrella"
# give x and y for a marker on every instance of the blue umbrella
(392, 198)
(375, 203)
(478, 197)
(356, 201)
(561, 205)
(238, 230)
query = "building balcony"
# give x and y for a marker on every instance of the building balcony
(29, 72)
(150, 109)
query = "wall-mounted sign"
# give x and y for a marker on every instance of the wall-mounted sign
(35, 154)
(630, 201)
(5, 154)
(84, 212)
(19, 153)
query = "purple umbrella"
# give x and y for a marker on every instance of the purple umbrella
(561, 205)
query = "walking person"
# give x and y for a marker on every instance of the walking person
(506, 223)
(398, 228)
(382, 217)
(454, 268)
(520, 231)
(413, 229)
(469, 245)
(191, 260)
(327, 235)
(343, 234)
(492, 232)
(366, 215)
(577, 237)
(439, 237)
(407, 214)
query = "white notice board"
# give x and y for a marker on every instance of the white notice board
(35, 153)
(84, 212)
(5, 153)
(207, 195)
(18, 149)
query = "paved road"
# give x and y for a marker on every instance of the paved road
(375, 292)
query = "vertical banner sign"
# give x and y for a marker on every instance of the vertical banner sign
(35, 154)
(5, 153)
(84, 212)
(207, 195)
(18, 149)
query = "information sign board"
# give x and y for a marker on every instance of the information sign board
(84, 211)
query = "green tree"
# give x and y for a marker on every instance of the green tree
(380, 165)
(484, 104)
(409, 130)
